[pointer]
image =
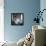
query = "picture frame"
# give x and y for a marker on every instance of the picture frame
(17, 18)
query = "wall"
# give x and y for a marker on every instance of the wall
(1, 20)
(43, 6)
(29, 8)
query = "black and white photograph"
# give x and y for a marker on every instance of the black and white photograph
(17, 18)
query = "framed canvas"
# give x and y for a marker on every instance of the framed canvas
(17, 18)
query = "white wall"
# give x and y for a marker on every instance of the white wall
(1, 20)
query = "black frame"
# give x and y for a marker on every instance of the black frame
(17, 15)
